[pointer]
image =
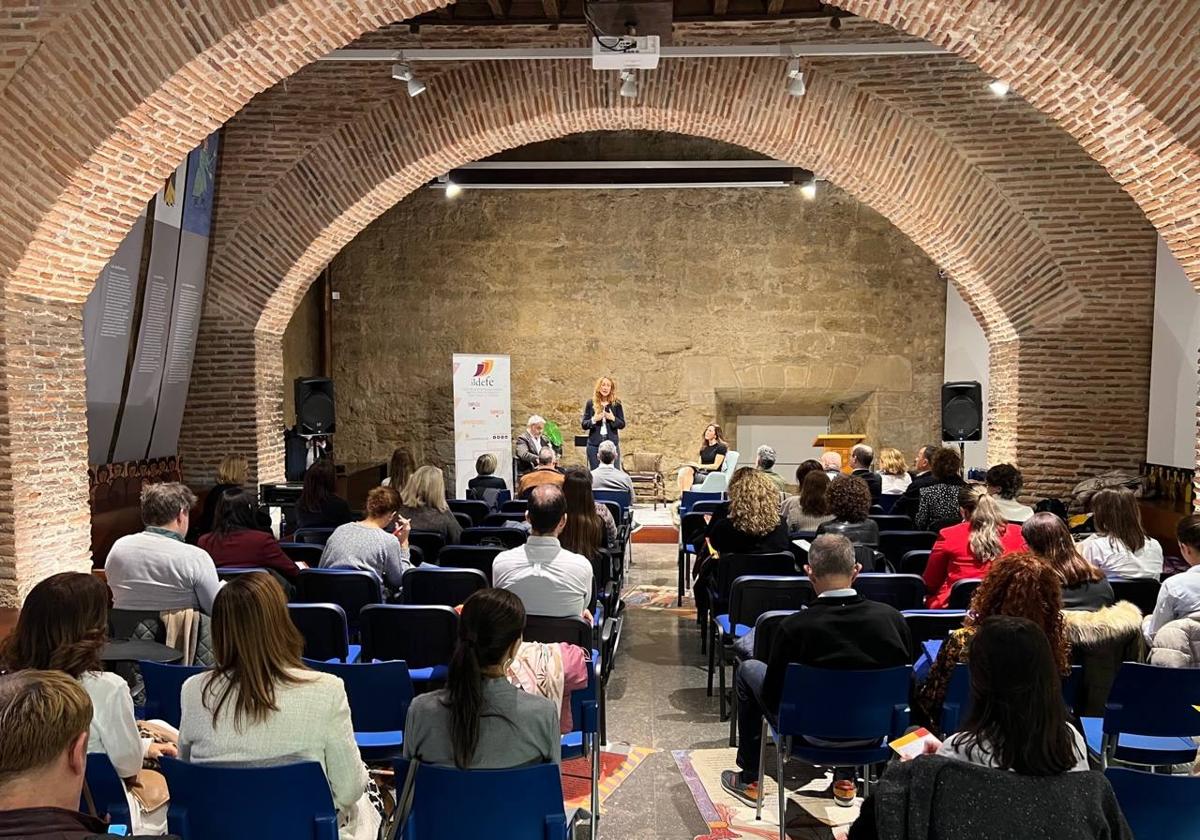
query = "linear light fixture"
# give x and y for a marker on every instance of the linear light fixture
(624, 175)
(839, 50)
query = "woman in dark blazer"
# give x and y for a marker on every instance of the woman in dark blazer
(603, 418)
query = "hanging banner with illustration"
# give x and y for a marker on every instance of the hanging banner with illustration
(482, 421)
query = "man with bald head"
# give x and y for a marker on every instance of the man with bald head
(549, 580)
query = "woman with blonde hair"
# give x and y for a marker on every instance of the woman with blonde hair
(893, 471)
(1121, 547)
(231, 476)
(423, 504)
(966, 550)
(261, 705)
(603, 418)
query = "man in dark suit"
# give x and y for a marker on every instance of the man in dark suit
(530, 444)
(922, 476)
(840, 630)
(861, 458)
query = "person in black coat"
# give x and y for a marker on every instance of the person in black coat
(840, 630)
(319, 505)
(922, 476)
(850, 503)
(603, 418)
(861, 458)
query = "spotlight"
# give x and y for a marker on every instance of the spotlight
(809, 189)
(998, 87)
(795, 79)
(629, 85)
(404, 73)
(453, 190)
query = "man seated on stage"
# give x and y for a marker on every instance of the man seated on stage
(764, 460)
(549, 580)
(546, 473)
(861, 458)
(831, 462)
(606, 476)
(840, 630)
(530, 443)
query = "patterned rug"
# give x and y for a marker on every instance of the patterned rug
(660, 598)
(811, 811)
(616, 763)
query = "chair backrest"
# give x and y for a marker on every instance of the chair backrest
(430, 543)
(379, 692)
(303, 552)
(924, 625)
(730, 567)
(1143, 594)
(237, 803)
(572, 630)
(435, 585)
(623, 498)
(892, 522)
(505, 537)
(961, 592)
(319, 536)
(230, 572)
(707, 506)
(350, 589)
(1157, 805)
(497, 520)
(886, 503)
(473, 508)
(470, 557)
(525, 802)
(324, 628)
(464, 519)
(690, 497)
(895, 544)
(914, 562)
(691, 529)
(764, 632)
(1153, 700)
(752, 595)
(957, 704)
(879, 708)
(904, 592)
(515, 506)
(163, 685)
(716, 482)
(108, 791)
(615, 510)
(729, 465)
(423, 636)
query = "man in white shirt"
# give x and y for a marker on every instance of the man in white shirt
(549, 580)
(1180, 594)
(606, 476)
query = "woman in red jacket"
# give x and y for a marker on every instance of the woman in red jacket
(237, 539)
(966, 550)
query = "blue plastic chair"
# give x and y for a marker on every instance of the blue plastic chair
(1156, 805)
(422, 636)
(690, 497)
(691, 529)
(524, 803)
(299, 552)
(914, 562)
(961, 593)
(437, 585)
(730, 567)
(875, 707)
(1141, 593)
(1148, 719)
(163, 686)
(350, 589)
(108, 792)
(924, 625)
(895, 544)
(431, 544)
(503, 537)
(499, 520)
(325, 630)
(315, 536)
(622, 497)
(514, 506)
(904, 592)
(379, 694)
(473, 508)
(248, 803)
(230, 572)
(478, 557)
(957, 704)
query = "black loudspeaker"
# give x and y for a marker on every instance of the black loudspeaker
(314, 406)
(295, 455)
(962, 411)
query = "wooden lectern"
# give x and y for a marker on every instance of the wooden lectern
(841, 444)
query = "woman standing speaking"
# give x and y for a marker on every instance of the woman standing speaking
(603, 418)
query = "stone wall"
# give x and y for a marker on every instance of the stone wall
(702, 304)
(301, 348)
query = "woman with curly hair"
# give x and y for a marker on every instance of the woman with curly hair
(893, 472)
(966, 550)
(850, 503)
(1019, 584)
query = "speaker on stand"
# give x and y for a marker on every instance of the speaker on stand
(962, 413)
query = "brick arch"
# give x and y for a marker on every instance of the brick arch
(895, 164)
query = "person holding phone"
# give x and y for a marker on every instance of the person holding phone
(379, 543)
(603, 419)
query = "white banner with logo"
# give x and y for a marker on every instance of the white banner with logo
(482, 421)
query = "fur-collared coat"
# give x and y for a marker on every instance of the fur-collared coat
(1101, 641)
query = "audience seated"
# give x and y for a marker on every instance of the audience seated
(1084, 587)
(63, 626)
(319, 505)
(379, 543)
(606, 476)
(480, 720)
(548, 579)
(590, 524)
(937, 505)
(262, 705)
(231, 477)
(893, 472)
(155, 569)
(711, 458)
(804, 468)
(238, 539)
(922, 476)
(530, 443)
(850, 503)
(485, 477)
(831, 462)
(809, 510)
(1179, 596)
(546, 472)
(966, 550)
(1004, 483)
(1018, 584)
(861, 458)
(764, 460)
(43, 758)
(1120, 547)
(839, 630)
(423, 504)
(401, 467)
(1016, 721)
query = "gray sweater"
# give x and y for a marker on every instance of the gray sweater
(366, 548)
(155, 572)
